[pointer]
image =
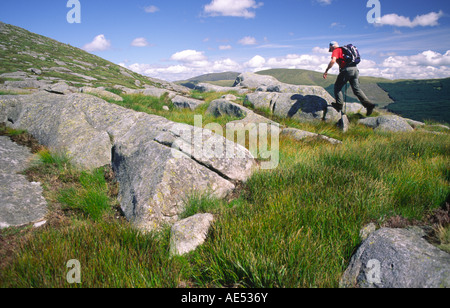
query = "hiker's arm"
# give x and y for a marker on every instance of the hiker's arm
(330, 66)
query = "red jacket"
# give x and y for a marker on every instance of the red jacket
(339, 55)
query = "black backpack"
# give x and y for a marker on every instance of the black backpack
(351, 55)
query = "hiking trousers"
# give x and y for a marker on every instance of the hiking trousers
(350, 74)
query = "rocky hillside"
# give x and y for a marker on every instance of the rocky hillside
(45, 61)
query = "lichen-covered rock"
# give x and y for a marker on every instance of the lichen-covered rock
(398, 258)
(158, 163)
(253, 81)
(156, 179)
(207, 87)
(157, 92)
(387, 123)
(13, 158)
(296, 106)
(186, 102)
(298, 134)
(102, 93)
(21, 202)
(61, 126)
(189, 233)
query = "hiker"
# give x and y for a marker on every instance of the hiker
(348, 73)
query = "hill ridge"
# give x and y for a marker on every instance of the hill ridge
(22, 50)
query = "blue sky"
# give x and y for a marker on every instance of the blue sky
(174, 39)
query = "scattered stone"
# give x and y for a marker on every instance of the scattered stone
(186, 102)
(61, 88)
(223, 107)
(188, 234)
(126, 74)
(127, 90)
(344, 123)
(157, 92)
(355, 108)
(388, 123)
(253, 81)
(229, 97)
(398, 258)
(58, 69)
(35, 71)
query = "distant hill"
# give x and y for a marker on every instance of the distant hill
(420, 99)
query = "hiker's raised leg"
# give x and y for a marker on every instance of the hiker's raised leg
(338, 86)
(356, 87)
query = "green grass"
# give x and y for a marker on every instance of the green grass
(91, 198)
(295, 226)
(111, 255)
(298, 225)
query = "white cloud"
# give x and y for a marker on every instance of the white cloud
(323, 51)
(257, 62)
(225, 65)
(427, 20)
(139, 42)
(225, 47)
(248, 40)
(324, 2)
(425, 65)
(234, 8)
(100, 43)
(151, 9)
(188, 55)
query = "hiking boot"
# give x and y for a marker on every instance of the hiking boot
(370, 108)
(337, 107)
